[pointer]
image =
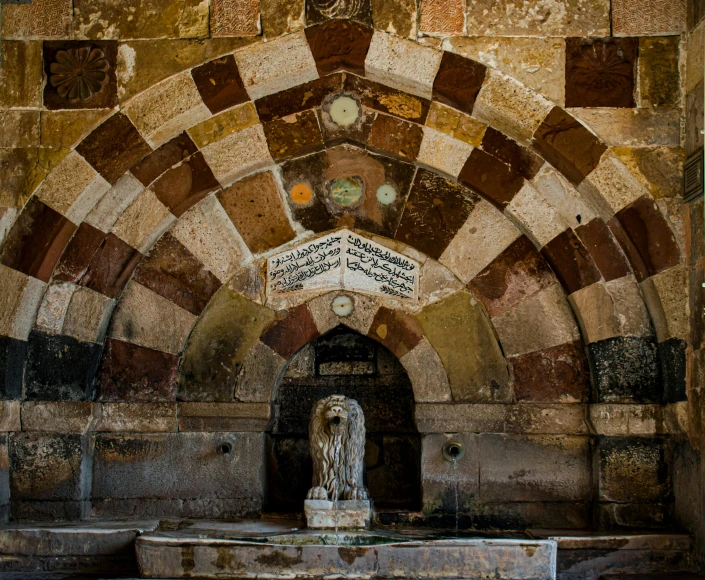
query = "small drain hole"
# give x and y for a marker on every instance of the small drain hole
(225, 448)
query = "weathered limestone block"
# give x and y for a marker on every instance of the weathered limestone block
(241, 417)
(20, 298)
(473, 377)
(455, 123)
(402, 64)
(539, 63)
(633, 127)
(111, 206)
(536, 216)
(667, 301)
(140, 417)
(427, 375)
(88, 315)
(476, 417)
(140, 19)
(349, 514)
(21, 75)
(281, 17)
(58, 417)
(395, 16)
(615, 420)
(224, 124)
(238, 154)
(20, 128)
(546, 419)
(259, 374)
(143, 317)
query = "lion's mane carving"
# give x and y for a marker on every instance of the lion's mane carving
(337, 436)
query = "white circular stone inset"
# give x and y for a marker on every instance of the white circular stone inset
(386, 194)
(344, 111)
(342, 305)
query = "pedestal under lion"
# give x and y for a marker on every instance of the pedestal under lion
(338, 498)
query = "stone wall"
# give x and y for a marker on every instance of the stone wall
(534, 154)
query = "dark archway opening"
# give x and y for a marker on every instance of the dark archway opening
(347, 363)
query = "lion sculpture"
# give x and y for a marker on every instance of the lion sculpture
(337, 436)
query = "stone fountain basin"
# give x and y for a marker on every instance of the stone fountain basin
(364, 555)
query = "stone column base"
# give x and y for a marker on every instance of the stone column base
(351, 514)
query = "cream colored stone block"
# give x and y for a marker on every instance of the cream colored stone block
(364, 310)
(137, 417)
(443, 152)
(437, 282)
(567, 200)
(144, 318)
(50, 318)
(207, 232)
(238, 155)
(620, 420)
(144, 221)
(8, 215)
(676, 418)
(538, 218)
(166, 109)
(88, 315)
(485, 234)
(274, 66)
(595, 312)
(615, 183)
(20, 298)
(428, 377)
(539, 63)
(114, 202)
(460, 418)
(629, 307)
(58, 417)
(402, 64)
(73, 188)
(633, 127)
(541, 321)
(260, 374)
(9, 416)
(695, 60)
(666, 295)
(510, 107)
(546, 419)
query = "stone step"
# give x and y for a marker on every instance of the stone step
(591, 556)
(85, 546)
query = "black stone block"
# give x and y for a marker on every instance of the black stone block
(671, 355)
(12, 358)
(625, 370)
(341, 345)
(60, 368)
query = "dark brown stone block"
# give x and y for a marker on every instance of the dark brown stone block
(339, 45)
(396, 330)
(397, 137)
(571, 261)
(630, 251)
(494, 180)
(517, 273)
(554, 375)
(458, 81)
(46, 466)
(255, 207)
(308, 172)
(114, 147)
(100, 92)
(696, 297)
(175, 273)
(695, 232)
(298, 99)
(633, 469)
(648, 230)
(293, 332)
(13, 353)
(523, 160)
(320, 11)
(111, 267)
(135, 373)
(638, 517)
(37, 240)
(387, 100)
(604, 249)
(600, 72)
(186, 184)
(659, 78)
(294, 136)
(78, 254)
(161, 159)
(435, 211)
(219, 84)
(568, 145)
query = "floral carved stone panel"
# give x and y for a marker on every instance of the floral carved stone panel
(600, 72)
(81, 75)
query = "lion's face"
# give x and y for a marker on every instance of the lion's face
(335, 414)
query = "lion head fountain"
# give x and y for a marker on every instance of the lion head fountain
(338, 497)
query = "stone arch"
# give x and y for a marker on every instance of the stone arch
(402, 80)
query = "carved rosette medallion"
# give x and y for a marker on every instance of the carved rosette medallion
(79, 73)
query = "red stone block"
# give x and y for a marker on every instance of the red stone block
(523, 160)
(37, 240)
(571, 261)
(78, 254)
(396, 137)
(298, 99)
(185, 185)
(604, 249)
(493, 179)
(219, 84)
(111, 267)
(339, 45)
(168, 155)
(396, 330)
(292, 333)
(458, 81)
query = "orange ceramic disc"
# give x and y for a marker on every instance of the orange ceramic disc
(301, 193)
